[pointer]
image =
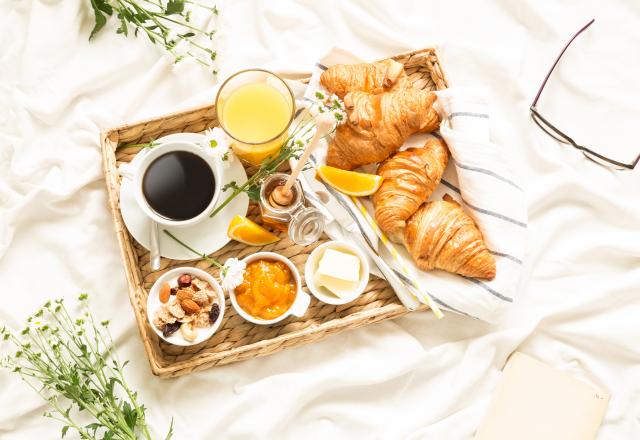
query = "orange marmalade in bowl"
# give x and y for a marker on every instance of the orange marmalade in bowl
(267, 290)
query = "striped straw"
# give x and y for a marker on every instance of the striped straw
(396, 256)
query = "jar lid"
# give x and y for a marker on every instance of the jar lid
(306, 226)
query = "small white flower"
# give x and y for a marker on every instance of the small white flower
(233, 273)
(340, 116)
(216, 143)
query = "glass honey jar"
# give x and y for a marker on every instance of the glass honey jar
(303, 224)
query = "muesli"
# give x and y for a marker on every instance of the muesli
(187, 305)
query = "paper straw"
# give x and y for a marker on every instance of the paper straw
(396, 256)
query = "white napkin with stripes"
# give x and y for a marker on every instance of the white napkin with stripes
(480, 176)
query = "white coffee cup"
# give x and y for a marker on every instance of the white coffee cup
(137, 169)
(300, 303)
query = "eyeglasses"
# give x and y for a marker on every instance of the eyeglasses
(558, 135)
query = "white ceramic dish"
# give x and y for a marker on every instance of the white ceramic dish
(322, 293)
(207, 236)
(153, 302)
(300, 304)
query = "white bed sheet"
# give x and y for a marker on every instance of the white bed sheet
(414, 377)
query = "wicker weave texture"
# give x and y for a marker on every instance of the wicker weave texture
(238, 339)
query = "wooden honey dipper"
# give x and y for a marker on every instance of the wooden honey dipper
(282, 196)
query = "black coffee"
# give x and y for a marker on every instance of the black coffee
(178, 185)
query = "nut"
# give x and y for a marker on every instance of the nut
(184, 280)
(184, 294)
(189, 332)
(189, 306)
(165, 292)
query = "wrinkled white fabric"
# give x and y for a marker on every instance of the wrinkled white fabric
(414, 377)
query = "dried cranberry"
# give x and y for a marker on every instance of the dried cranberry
(214, 313)
(170, 329)
(174, 291)
(184, 280)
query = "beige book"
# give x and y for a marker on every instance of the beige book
(536, 402)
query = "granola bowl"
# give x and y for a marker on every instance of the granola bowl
(185, 306)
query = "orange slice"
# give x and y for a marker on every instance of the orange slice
(245, 231)
(350, 182)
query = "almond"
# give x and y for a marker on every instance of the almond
(183, 294)
(165, 293)
(190, 306)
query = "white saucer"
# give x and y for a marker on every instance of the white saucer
(207, 236)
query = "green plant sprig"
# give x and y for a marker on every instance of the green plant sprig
(291, 148)
(165, 22)
(205, 257)
(71, 363)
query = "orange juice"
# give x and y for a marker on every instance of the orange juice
(256, 115)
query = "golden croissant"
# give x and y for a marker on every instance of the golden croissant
(378, 125)
(373, 78)
(441, 236)
(410, 177)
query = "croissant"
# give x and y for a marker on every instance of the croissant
(441, 236)
(373, 78)
(410, 177)
(378, 125)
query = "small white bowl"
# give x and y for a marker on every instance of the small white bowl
(322, 293)
(153, 302)
(300, 303)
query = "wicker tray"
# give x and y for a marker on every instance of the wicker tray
(238, 339)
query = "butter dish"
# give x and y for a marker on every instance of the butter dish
(336, 272)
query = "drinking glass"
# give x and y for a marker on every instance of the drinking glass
(255, 108)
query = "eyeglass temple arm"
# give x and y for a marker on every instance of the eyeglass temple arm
(546, 78)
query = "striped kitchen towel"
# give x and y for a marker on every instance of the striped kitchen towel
(481, 176)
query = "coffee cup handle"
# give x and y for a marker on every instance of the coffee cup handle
(128, 170)
(301, 304)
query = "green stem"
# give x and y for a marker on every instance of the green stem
(200, 254)
(214, 9)
(188, 26)
(146, 144)
(234, 194)
(265, 168)
(113, 418)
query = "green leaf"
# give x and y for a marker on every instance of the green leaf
(104, 6)
(101, 20)
(254, 192)
(130, 415)
(64, 430)
(174, 7)
(231, 185)
(124, 29)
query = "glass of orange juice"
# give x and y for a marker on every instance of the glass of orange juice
(255, 108)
